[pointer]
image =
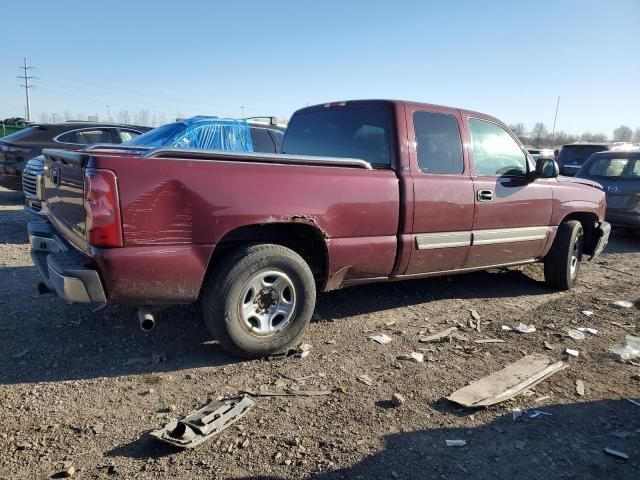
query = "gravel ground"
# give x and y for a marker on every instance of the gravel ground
(86, 388)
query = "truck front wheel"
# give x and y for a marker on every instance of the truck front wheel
(259, 300)
(562, 263)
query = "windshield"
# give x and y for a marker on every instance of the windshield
(341, 132)
(20, 134)
(160, 136)
(578, 154)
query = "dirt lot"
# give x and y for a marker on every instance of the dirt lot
(86, 388)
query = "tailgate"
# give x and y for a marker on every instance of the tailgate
(63, 192)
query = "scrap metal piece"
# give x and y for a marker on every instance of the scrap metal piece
(508, 382)
(199, 426)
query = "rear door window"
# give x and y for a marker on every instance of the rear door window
(615, 168)
(438, 143)
(495, 152)
(262, 141)
(356, 132)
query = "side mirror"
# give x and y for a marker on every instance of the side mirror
(547, 168)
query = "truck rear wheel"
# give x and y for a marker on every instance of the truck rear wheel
(562, 263)
(259, 301)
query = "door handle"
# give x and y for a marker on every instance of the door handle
(485, 195)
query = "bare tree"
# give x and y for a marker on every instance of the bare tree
(560, 138)
(154, 120)
(162, 119)
(67, 116)
(519, 129)
(123, 116)
(622, 134)
(593, 137)
(538, 133)
(636, 135)
(144, 117)
(44, 117)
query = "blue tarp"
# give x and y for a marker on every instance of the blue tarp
(208, 133)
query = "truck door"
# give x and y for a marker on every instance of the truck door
(512, 208)
(442, 190)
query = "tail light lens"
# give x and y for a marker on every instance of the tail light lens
(102, 208)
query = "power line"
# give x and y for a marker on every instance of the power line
(26, 77)
(553, 133)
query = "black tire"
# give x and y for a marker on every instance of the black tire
(562, 263)
(222, 302)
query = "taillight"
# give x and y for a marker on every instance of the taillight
(102, 208)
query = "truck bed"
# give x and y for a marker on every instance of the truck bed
(180, 205)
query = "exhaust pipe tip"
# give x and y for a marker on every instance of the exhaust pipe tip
(146, 319)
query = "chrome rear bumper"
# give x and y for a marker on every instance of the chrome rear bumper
(63, 269)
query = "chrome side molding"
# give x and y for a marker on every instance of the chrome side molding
(430, 241)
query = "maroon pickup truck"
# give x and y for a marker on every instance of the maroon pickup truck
(365, 191)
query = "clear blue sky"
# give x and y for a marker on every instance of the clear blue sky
(510, 59)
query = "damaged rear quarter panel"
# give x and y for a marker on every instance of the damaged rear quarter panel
(186, 203)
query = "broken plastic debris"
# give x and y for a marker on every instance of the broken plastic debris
(455, 443)
(508, 382)
(616, 453)
(575, 334)
(630, 350)
(623, 304)
(572, 352)
(587, 313)
(412, 357)
(520, 328)
(204, 423)
(537, 413)
(437, 337)
(489, 340)
(580, 387)
(475, 314)
(382, 339)
(366, 379)
(590, 330)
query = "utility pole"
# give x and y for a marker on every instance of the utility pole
(242, 112)
(553, 133)
(26, 77)
(54, 117)
(108, 114)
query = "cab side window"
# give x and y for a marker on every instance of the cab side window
(438, 143)
(495, 152)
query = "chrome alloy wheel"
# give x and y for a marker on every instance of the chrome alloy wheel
(267, 303)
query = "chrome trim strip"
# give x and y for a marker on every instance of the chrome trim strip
(509, 235)
(280, 158)
(430, 241)
(115, 146)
